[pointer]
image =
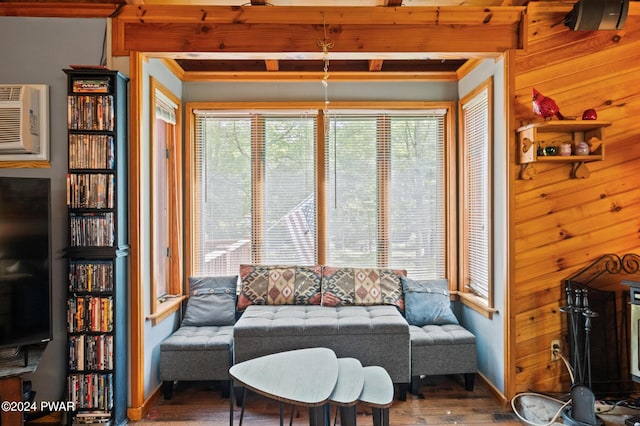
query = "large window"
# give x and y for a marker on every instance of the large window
(475, 225)
(386, 199)
(354, 188)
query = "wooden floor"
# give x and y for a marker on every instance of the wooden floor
(442, 401)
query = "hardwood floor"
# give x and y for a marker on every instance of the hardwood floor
(442, 401)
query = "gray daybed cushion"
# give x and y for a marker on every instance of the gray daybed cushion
(427, 302)
(212, 301)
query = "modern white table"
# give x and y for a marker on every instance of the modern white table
(348, 389)
(316, 378)
(304, 377)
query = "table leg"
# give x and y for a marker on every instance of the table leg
(231, 394)
(244, 403)
(380, 416)
(320, 416)
(348, 416)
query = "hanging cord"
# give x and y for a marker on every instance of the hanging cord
(325, 44)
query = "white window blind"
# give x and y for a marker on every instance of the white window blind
(165, 108)
(386, 191)
(383, 187)
(288, 184)
(476, 148)
(255, 190)
(221, 207)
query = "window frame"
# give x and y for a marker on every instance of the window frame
(484, 306)
(163, 306)
(191, 237)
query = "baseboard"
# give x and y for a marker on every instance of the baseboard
(138, 413)
(499, 396)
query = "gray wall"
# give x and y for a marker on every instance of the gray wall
(490, 332)
(34, 51)
(314, 91)
(153, 335)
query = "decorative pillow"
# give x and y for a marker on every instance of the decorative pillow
(279, 285)
(307, 290)
(362, 286)
(212, 301)
(427, 302)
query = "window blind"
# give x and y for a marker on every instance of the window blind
(165, 108)
(256, 189)
(386, 190)
(383, 191)
(477, 214)
(221, 194)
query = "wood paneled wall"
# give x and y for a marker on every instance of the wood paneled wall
(561, 224)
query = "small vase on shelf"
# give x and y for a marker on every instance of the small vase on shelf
(582, 148)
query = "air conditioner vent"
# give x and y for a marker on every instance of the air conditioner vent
(10, 93)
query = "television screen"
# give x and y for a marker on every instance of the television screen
(25, 306)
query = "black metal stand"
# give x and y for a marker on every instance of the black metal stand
(581, 412)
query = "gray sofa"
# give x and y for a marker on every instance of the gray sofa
(376, 315)
(375, 335)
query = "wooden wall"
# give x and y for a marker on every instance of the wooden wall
(561, 224)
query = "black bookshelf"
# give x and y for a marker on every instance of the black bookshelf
(98, 246)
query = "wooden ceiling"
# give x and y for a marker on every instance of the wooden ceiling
(386, 38)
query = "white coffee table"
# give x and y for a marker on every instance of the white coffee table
(348, 389)
(304, 377)
(316, 378)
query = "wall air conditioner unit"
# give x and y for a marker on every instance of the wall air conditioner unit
(24, 122)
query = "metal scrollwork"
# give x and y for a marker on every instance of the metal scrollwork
(608, 263)
(631, 263)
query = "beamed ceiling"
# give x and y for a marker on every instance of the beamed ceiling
(294, 39)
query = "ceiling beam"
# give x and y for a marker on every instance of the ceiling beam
(58, 10)
(296, 31)
(318, 15)
(375, 64)
(272, 64)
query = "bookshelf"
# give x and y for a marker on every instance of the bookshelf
(98, 247)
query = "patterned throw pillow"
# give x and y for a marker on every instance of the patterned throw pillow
(279, 285)
(427, 302)
(362, 286)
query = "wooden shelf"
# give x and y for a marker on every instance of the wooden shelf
(536, 137)
(565, 125)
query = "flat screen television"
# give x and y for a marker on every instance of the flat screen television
(25, 267)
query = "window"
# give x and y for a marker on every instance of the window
(269, 188)
(475, 181)
(386, 199)
(166, 211)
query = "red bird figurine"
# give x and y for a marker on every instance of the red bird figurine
(545, 107)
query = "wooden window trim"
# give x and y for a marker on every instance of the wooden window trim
(162, 307)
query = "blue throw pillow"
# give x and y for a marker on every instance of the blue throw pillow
(427, 302)
(212, 301)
